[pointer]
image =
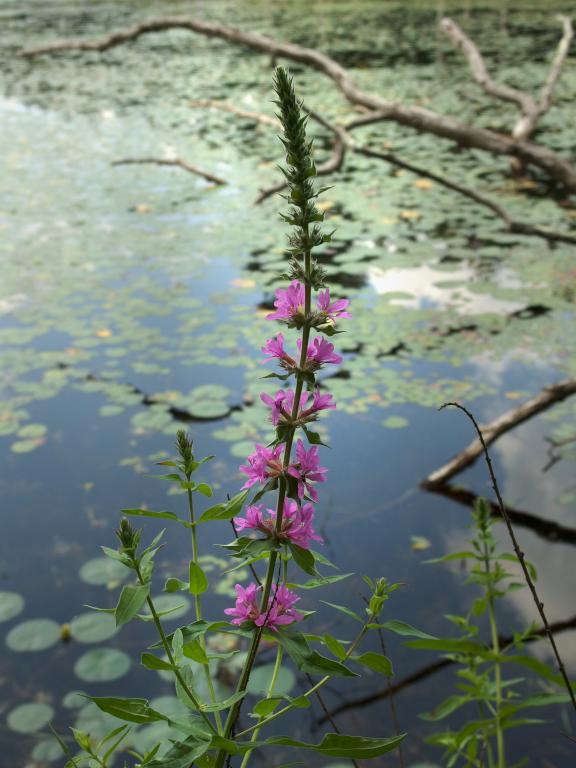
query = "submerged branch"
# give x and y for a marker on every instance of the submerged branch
(555, 393)
(173, 161)
(414, 117)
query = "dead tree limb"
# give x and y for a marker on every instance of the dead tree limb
(530, 108)
(226, 106)
(172, 161)
(418, 118)
(554, 393)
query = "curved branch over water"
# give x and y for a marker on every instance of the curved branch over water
(177, 161)
(418, 118)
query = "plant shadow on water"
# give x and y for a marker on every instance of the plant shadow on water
(133, 298)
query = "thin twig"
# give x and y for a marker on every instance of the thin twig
(393, 710)
(173, 161)
(519, 554)
(226, 106)
(250, 565)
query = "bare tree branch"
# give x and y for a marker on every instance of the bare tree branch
(418, 118)
(226, 106)
(554, 393)
(172, 161)
(480, 72)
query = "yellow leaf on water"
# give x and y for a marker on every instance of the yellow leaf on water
(325, 205)
(142, 208)
(104, 333)
(409, 214)
(420, 543)
(424, 184)
(243, 282)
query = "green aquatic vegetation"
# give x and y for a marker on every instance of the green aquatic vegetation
(491, 700)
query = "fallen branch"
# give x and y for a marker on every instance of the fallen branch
(554, 452)
(549, 530)
(437, 666)
(418, 118)
(225, 106)
(554, 393)
(531, 110)
(173, 161)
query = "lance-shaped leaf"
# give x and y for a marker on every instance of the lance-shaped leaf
(198, 580)
(311, 661)
(132, 598)
(131, 710)
(225, 511)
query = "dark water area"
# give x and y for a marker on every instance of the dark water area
(134, 295)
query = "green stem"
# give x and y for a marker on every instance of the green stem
(168, 651)
(256, 637)
(496, 651)
(269, 693)
(198, 609)
(314, 688)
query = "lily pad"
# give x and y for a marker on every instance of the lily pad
(33, 635)
(101, 665)
(25, 446)
(32, 430)
(102, 571)
(261, 677)
(47, 751)
(29, 718)
(395, 422)
(11, 604)
(93, 627)
(74, 700)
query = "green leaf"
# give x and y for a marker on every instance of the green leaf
(225, 704)
(164, 515)
(132, 598)
(335, 646)
(150, 661)
(175, 585)
(344, 610)
(130, 710)
(321, 581)
(332, 745)
(376, 661)
(265, 707)
(204, 489)
(193, 650)
(198, 580)
(445, 708)
(405, 629)
(303, 558)
(311, 661)
(452, 556)
(183, 753)
(226, 510)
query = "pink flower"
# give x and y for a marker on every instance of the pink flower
(261, 465)
(297, 523)
(334, 310)
(307, 470)
(274, 348)
(289, 302)
(280, 611)
(320, 351)
(282, 404)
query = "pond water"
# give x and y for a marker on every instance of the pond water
(132, 294)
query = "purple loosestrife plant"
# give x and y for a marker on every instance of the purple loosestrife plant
(277, 533)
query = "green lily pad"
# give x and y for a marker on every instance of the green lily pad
(93, 627)
(25, 446)
(101, 665)
(261, 676)
(47, 751)
(33, 635)
(29, 718)
(32, 430)
(395, 422)
(11, 604)
(102, 571)
(74, 700)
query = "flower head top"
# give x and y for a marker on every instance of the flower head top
(279, 613)
(262, 465)
(297, 523)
